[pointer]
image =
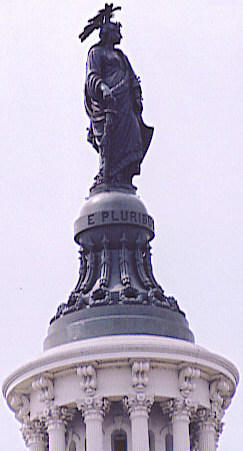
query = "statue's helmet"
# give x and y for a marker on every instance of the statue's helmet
(108, 29)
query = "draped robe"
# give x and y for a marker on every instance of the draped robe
(128, 137)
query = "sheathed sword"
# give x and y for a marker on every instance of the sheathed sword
(105, 146)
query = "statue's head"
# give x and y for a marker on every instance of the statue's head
(110, 33)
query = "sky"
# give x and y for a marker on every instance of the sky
(188, 54)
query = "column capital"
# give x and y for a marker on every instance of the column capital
(206, 419)
(34, 432)
(209, 420)
(180, 409)
(93, 407)
(138, 405)
(57, 417)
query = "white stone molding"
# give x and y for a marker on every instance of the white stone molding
(93, 410)
(35, 435)
(117, 349)
(140, 370)
(88, 378)
(138, 407)
(120, 368)
(186, 379)
(45, 387)
(20, 404)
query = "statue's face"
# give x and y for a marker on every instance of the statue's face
(115, 35)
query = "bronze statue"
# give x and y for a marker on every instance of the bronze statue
(113, 101)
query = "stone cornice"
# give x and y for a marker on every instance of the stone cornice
(126, 347)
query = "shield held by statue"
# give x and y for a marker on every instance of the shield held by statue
(146, 135)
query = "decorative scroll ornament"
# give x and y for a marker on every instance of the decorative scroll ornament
(88, 279)
(149, 269)
(182, 407)
(139, 257)
(140, 371)
(101, 294)
(220, 393)
(125, 278)
(74, 296)
(21, 406)
(186, 378)
(138, 404)
(45, 387)
(88, 379)
(93, 408)
(105, 264)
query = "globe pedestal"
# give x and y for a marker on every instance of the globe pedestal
(116, 293)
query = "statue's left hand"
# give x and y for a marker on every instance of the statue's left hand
(107, 93)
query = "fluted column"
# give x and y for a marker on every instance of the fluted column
(93, 411)
(180, 419)
(35, 435)
(138, 407)
(56, 420)
(209, 427)
(207, 437)
(179, 411)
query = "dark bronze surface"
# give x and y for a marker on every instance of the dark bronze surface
(116, 292)
(113, 101)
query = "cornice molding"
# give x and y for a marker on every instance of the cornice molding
(124, 347)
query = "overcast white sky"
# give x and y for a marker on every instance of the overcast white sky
(188, 54)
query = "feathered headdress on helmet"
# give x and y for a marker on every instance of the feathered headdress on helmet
(103, 17)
